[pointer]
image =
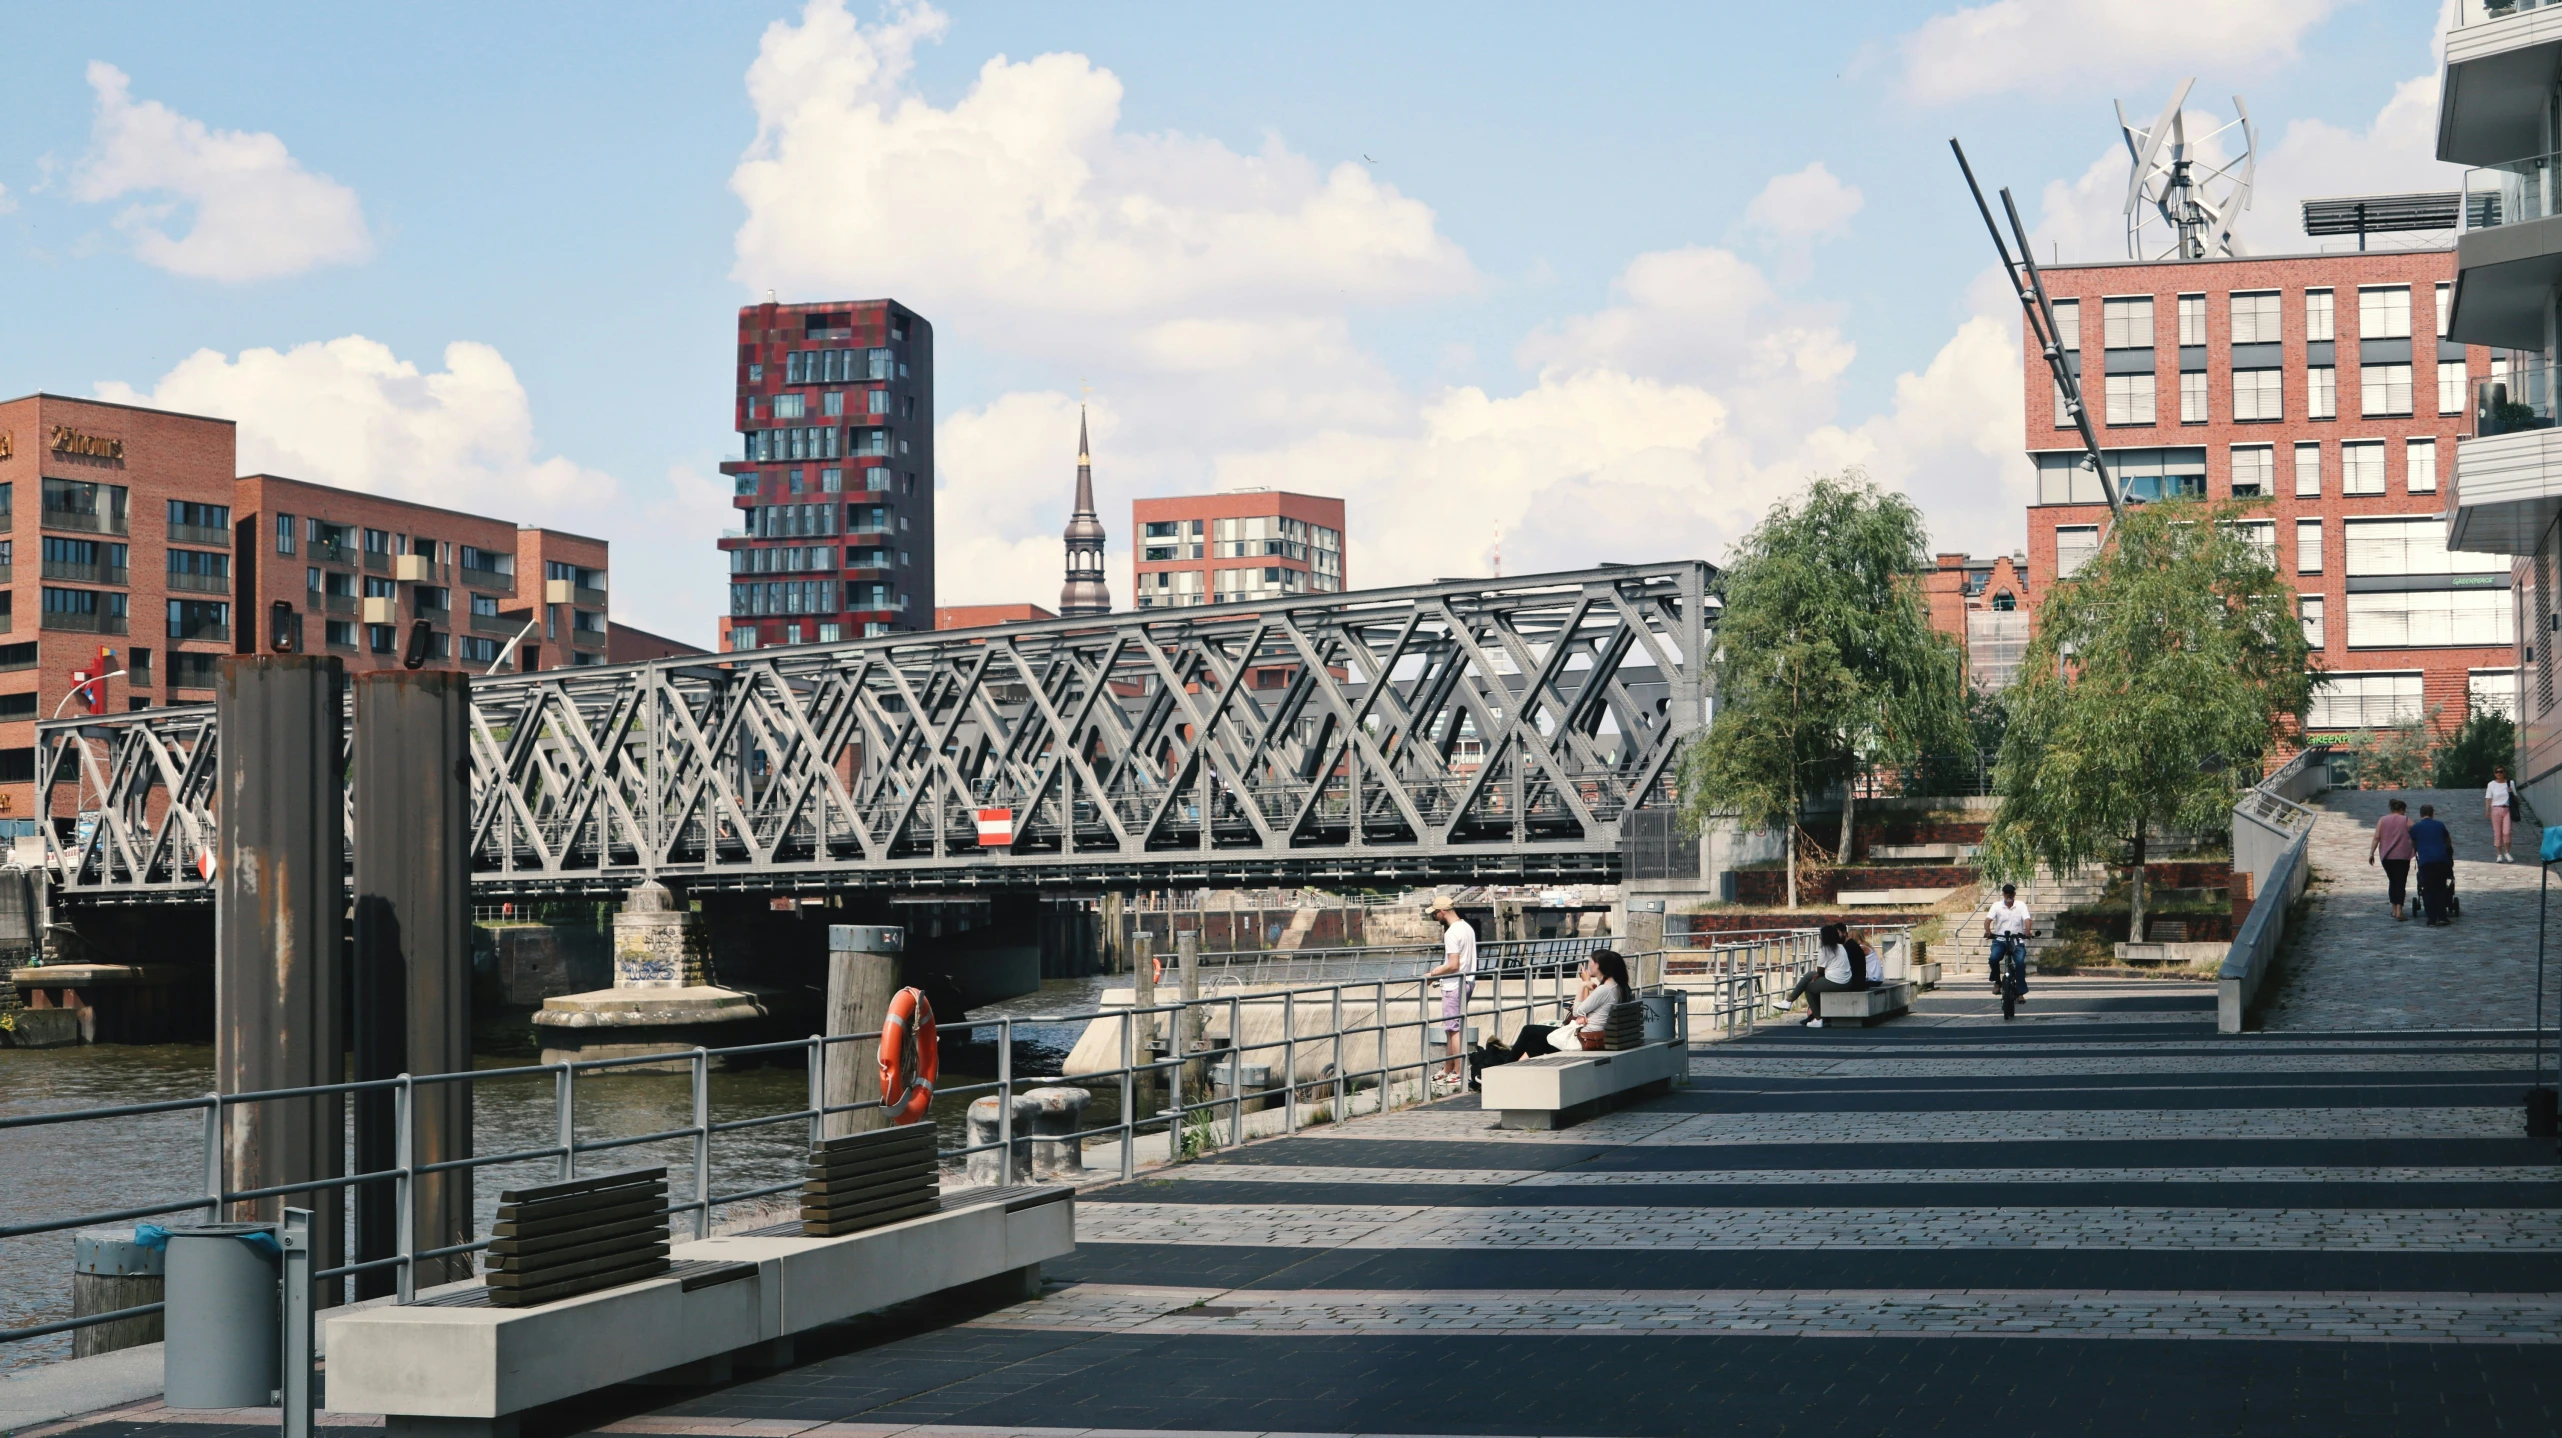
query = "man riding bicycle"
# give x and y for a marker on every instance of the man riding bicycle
(2008, 925)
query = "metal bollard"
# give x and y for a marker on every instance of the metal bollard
(225, 1322)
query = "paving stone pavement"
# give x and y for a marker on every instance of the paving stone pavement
(2105, 1221)
(2353, 967)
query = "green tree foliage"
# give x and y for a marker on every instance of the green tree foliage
(1826, 662)
(2151, 689)
(2486, 740)
(2399, 756)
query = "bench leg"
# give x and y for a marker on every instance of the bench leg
(398, 1425)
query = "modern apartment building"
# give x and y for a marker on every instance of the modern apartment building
(980, 616)
(1235, 548)
(2332, 387)
(835, 479)
(128, 532)
(323, 570)
(2500, 114)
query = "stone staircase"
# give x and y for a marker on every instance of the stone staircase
(1969, 956)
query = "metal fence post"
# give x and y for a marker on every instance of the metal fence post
(702, 1142)
(1290, 1062)
(818, 1087)
(1341, 1096)
(295, 1239)
(213, 1158)
(565, 1093)
(1129, 1093)
(404, 1233)
(1005, 1101)
(1236, 1072)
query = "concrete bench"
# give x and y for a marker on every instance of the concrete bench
(1559, 1090)
(1868, 1005)
(451, 1365)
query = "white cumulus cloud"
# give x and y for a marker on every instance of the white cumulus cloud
(255, 212)
(2059, 47)
(1810, 204)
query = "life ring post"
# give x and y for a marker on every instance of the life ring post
(862, 979)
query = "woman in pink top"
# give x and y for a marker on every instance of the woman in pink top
(2393, 845)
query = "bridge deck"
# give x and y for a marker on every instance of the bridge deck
(2100, 1219)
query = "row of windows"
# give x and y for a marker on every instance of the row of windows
(826, 632)
(2384, 391)
(829, 405)
(812, 559)
(2389, 547)
(2257, 317)
(1170, 587)
(765, 446)
(829, 481)
(2349, 700)
(2357, 467)
(2361, 468)
(838, 366)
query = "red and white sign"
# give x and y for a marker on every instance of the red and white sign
(205, 864)
(996, 828)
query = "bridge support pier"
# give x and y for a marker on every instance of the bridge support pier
(665, 994)
(280, 899)
(412, 974)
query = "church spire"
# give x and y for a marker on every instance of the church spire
(1085, 593)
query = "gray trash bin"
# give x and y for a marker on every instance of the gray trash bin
(226, 1317)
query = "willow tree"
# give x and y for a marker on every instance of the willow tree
(1826, 663)
(2153, 685)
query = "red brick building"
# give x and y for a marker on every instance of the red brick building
(2320, 383)
(627, 645)
(835, 482)
(127, 523)
(1984, 605)
(324, 570)
(1235, 548)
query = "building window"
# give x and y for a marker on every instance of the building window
(2450, 387)
(2074, 546)
(2419, 466)
(2445, 307)
(2384, 312)
(2362, 467)
(199, 619)
(2192, 320)
(478, 650)
(2322, 392)
(2068, 325)
(787, 406)
(830, 633)
(2493, 691)
(381, 638)
(2130, 397)
(2192, 396)
(2308, 546)
(2308, 471)
(2353, 700)
(831, 481)
(2384, 389)
(2063, 406)
(2259, 394)
(339, 633)
(284, 534)
(2308, 607)
(2254, 469)
(2402, 546)
(2261, 536)
(2430, 618)
(2127, 324)
(2255, 318)
(877, 402)
(2317, 315)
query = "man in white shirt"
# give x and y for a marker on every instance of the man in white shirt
(1458, 965)
(2008, 925)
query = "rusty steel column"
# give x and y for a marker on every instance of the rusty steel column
(280, 909)
(412, 780)
(862, 978)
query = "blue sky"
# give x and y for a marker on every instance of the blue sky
(1591, 290)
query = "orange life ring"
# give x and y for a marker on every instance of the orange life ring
(910, 1057)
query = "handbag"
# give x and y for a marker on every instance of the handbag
(2553, 843)
(1593, 1041)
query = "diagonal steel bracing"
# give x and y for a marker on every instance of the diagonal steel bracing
(1494, 729)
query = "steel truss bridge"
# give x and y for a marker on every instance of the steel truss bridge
(1480, 731)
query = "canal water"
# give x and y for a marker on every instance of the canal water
(69, 1169)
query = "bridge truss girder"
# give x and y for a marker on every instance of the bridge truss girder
(1475, 730)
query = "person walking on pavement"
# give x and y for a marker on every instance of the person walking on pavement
(1457, 972)
(2434, 848)
(2393, 845)
(2008, 924)
(2497, 801)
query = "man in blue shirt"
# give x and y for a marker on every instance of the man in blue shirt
(2434, 848)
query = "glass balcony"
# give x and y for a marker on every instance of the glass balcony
(2502, 406)
(2481, 12)
(2512, 192)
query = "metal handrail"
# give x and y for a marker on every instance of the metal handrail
(1730, 985)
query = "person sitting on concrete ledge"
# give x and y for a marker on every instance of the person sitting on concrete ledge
(1832, 975)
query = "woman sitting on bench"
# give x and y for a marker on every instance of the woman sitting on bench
(1590, 1020)
(1844, 966)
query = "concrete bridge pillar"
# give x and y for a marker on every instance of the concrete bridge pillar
(666, 995)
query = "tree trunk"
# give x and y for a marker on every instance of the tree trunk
(1841, 855)
(1788, 837)
(2135, 893)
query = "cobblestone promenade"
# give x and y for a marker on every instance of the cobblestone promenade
(2100, 1219)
